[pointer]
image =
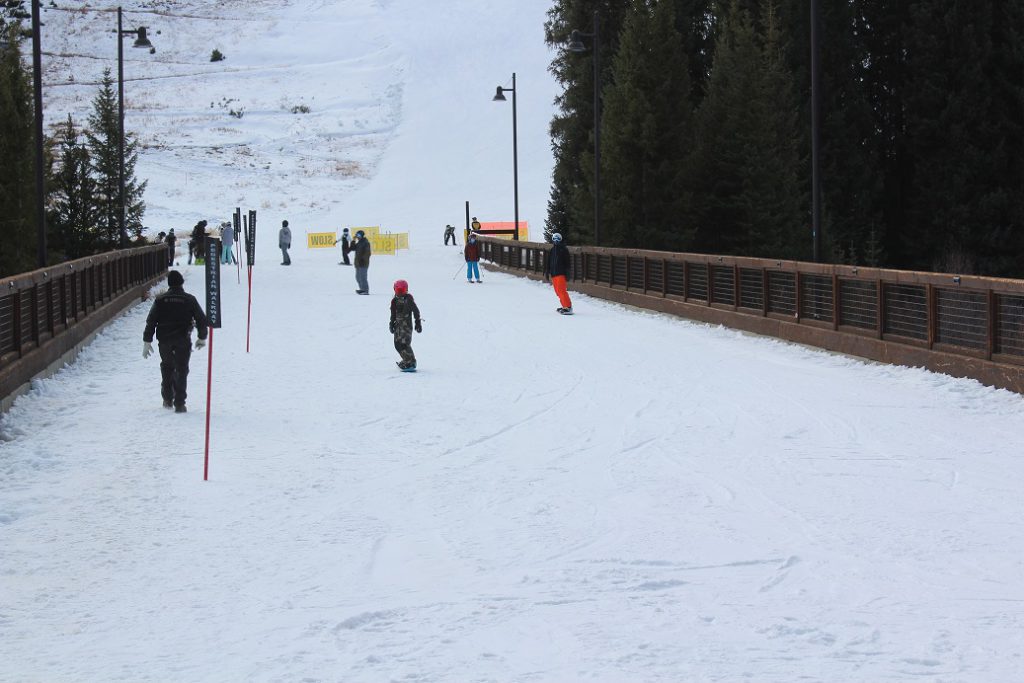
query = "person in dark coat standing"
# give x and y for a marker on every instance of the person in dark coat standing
(284, 240)
(172, 317)
(472, 253)
(197, 242)
(556, 268)
(449, 233)
(362, 262)
(171, 240)
(403, 311)
(346, 247)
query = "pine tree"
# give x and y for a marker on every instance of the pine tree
(571, 205)
(74, 214)
(646, 133)
(965, 135)
(747, 196)
(17, 187)
(104, 154)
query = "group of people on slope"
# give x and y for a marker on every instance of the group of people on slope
(227, 234)
(360, 245)
(175, 313)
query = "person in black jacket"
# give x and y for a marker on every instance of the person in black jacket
(363, 251)
(346, 247)
(172, 317)
(171, 240)
(556, 268)
(197, 242)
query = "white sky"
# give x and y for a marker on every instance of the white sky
(615, 496)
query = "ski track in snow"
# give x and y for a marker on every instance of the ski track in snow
(618, 496)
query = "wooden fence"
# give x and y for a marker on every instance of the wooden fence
(46, 313)
(966, 326)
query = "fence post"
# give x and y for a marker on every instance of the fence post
(931, 317)
(993, 314)
(837, 302)
(881, 308)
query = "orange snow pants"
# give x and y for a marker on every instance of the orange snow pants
(558, 282)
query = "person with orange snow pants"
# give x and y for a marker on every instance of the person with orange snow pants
(556, 268)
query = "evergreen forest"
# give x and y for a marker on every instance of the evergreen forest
(705, 129)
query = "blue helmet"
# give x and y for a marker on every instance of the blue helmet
(556, 237)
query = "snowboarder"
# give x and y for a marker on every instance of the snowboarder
(346, 247)
(472, 253)
(449, 233)
(284, 241)
(556, 268)
(172, 317)
(171, 240)
(362, 260)
(403, 311)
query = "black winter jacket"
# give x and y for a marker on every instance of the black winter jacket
(362, 253)
(558, 261)
(172, 317)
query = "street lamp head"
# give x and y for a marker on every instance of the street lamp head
(575, 43)
(142, 40)
(499, 95)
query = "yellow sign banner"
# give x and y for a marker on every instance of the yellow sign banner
(401, 239)
(370, 231)
(320, 240)
(382, 244)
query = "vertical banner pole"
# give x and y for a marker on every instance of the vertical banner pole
(209, 392)
(250, 243)
(213, 317)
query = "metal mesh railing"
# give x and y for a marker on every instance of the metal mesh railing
(816, 298)
(1010, 324)
(723, 285)
(906, 311)
(697, 281)
(979, 316)
(782, 293)
(858, 304)
(751, 289)
(961, 318)
(36, 305)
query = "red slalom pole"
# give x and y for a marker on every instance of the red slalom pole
(248, 314)
(209, 391)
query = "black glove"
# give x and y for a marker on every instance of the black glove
(392, 328)
(419, 326)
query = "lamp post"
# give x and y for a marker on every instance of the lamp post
(499, 96)
(37, 87)
(576, 45)
(140, 41)
(815, 132)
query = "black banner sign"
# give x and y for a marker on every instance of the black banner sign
(213, 281)
(252, 237)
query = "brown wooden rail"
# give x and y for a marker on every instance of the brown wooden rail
(46, 313)
(966, 326)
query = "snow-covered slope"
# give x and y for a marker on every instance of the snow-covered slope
(617, 496)
(400, 132)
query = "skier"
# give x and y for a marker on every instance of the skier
(362, 259)
(171, 240)
(472, 253)
(556, 268)
(345, 248)
(449, 233)
(284, 241)
(227, 236)
(172, 317)
(403, 311)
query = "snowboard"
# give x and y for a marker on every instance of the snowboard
(412, 369)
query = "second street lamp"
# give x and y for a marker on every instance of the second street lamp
(576, 45)
(499, 96)
(140, 41)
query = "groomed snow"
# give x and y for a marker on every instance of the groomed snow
(618, 496)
